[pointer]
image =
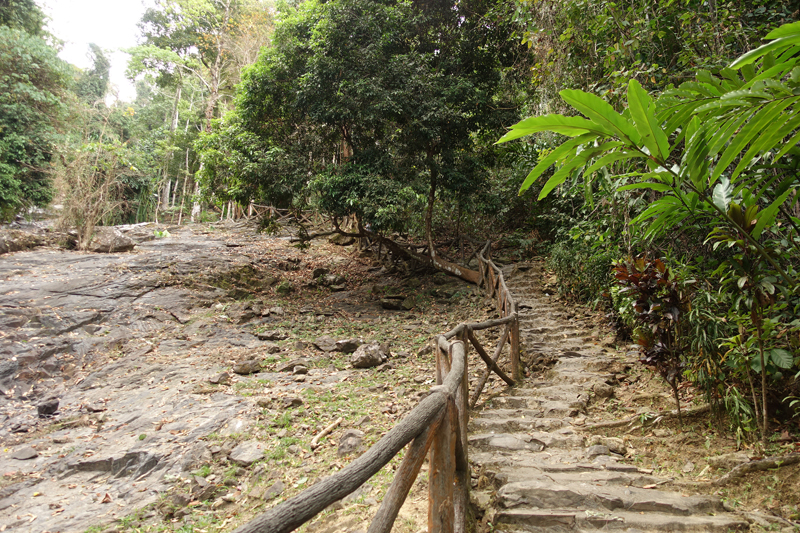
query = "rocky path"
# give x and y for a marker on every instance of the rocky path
(538, 466)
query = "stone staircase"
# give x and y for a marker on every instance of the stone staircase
(539, 470)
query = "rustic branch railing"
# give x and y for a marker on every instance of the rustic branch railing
(438, 424)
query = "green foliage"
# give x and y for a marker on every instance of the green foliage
(32, 85)
(366, 107)
(92, 86)
(598, 46)
(717, 153)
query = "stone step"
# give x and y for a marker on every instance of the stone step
(496, 421)
(546, 494)
(532, 440)
(581, 521)
(548, 408)
(588, 476)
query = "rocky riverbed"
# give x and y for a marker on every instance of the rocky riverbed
(182, 382)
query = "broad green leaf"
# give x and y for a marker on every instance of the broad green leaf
(696, 155)
(557, 154)
(786, 30)
(777, 45)
(608, 159)
(643, 113)
(601, 112)
(746, 134)
(767, 216)
(660, 187)
(788, 145)
(781, 358)
(560, 175)
(568, 126)
(776, 131)
(722, 194)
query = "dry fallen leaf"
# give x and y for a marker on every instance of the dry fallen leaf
(106, 498)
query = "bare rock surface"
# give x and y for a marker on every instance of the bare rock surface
(116, 371)
(542, 471)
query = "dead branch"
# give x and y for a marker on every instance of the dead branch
(325, 432)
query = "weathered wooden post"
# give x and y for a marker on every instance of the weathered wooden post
(516, 367)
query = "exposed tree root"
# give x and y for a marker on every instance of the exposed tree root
(649, 419)
(746, 468)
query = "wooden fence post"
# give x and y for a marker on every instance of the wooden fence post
(441, 484)
(516, 367)
(462, 470)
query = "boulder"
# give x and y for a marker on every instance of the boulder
(110, 240)
(369, 355)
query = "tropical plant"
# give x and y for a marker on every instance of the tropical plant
(697, 148)
(660, 304)
(720, 153)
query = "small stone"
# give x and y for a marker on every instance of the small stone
(350, 442)
(223, 378)
(284, 288)
(247, 367)
(369, 355)
(363, 420)
(317, 272)
(299, 379)
(603, 390)
(95, 407)
(688, 467)
(425, 350)
(300, 369)
(247, 453)
(275, 490)
(292, 402)
(47, 407)
(271, 348)
(661, 432)
(289, 367)
(271, 336)
(294, 449)
(325, 344)
(25, 454)
(598, 449)
(348, 345)
(392, 304)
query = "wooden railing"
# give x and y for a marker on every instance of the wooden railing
(438, 424)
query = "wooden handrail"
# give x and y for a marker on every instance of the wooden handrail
(438, 423)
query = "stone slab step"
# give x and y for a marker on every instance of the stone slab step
(545, 494)
(494, 421)
(564, 438)
(548, 408)
(566, 520)
(593, 477)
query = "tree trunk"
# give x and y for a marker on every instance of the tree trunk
(429, 211)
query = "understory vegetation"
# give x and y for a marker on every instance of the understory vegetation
(658, 170)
